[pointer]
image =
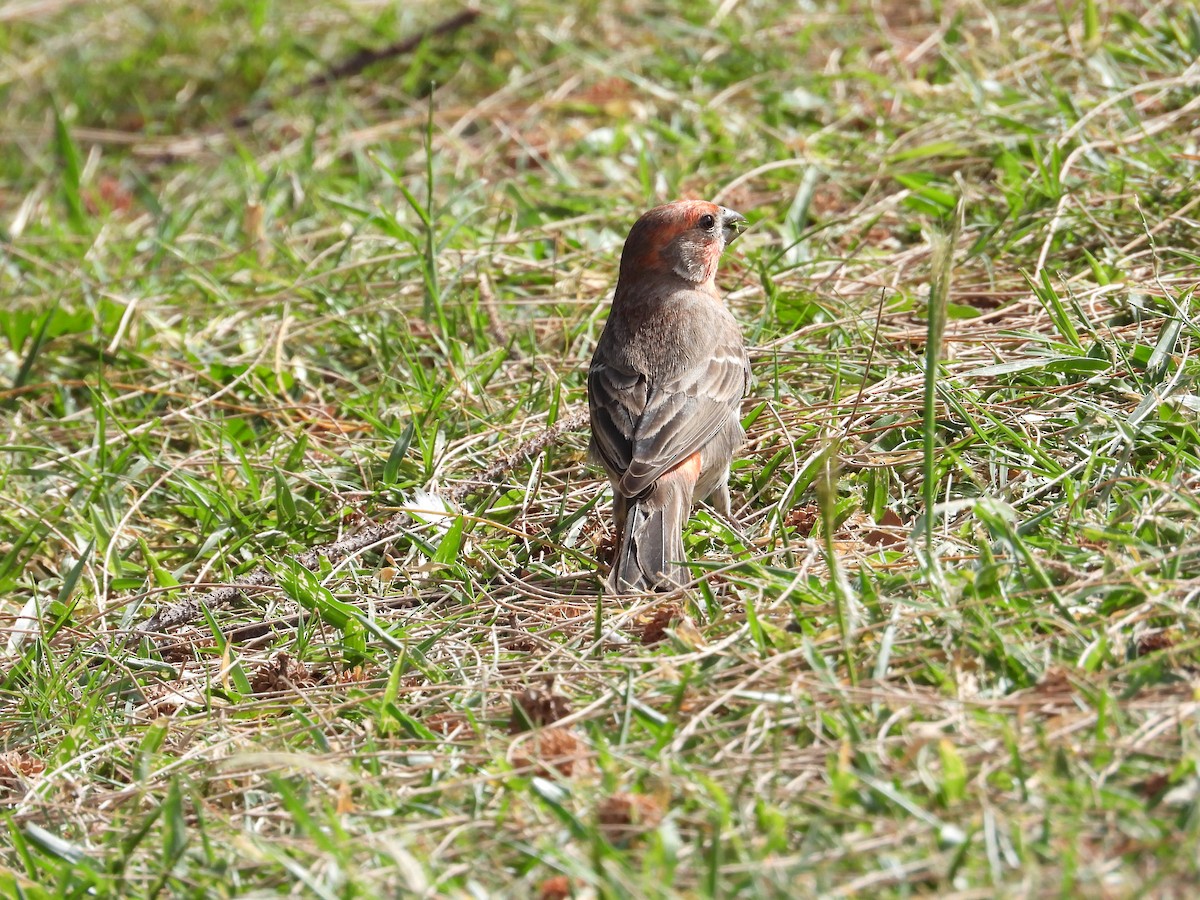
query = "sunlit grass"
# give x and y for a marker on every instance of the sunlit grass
(946, 646)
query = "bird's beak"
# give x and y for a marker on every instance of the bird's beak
(732, 224)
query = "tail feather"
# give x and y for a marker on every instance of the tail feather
(650, 550)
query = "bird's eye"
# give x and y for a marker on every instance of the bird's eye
(707, 222)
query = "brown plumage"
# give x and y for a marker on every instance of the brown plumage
(664, 387)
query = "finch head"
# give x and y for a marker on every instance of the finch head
(684, 238)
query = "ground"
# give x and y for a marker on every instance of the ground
(284, 282)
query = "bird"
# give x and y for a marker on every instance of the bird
(664, 389)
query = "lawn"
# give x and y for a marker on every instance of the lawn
(300, 297)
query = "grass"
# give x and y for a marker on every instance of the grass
(950, 646)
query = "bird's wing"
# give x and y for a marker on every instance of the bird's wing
(616, 397)
(643, 432)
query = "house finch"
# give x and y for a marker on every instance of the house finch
(664, 388)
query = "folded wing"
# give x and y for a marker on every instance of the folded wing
(642, 432)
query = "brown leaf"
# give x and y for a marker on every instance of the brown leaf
(803, 518)
(1154, 786)
(623, 817)
(553, 752)
(17, 768)
(655, 629)
(536, 707)
(881, 538)
(281, 673)
(1153, 641)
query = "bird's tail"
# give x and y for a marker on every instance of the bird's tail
(650, 550)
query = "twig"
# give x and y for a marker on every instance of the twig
(355, 64)
(573, 421)
(363, 58)
(487, 299)
(188, 609)
(249, 631)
